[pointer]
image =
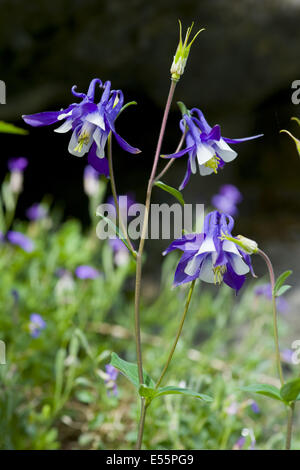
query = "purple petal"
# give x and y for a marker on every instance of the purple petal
(42, 119)
(125, 146)
(99, 164)
(243, 139)
(232, 279)
(180, 153)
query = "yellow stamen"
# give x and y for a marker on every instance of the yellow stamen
(83, 139)
(213, 163)
(219, 272)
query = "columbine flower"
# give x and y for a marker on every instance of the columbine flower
(36, 325)
(110, 380)
(227, 199)
(86, 272)
(205, 146)
(36, 212)
(209, 257)
(265, 290)
(91, 123)
(17, 238)
(182, 52)
(16, 167)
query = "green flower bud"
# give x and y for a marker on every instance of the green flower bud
(182, 52)
(248, 246)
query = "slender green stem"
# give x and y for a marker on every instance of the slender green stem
(291, 412)
(170, 163)
(141, 424)
(187, 304)
(115, 195)
(138, 275)
(275, 325)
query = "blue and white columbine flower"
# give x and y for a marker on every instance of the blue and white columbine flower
(90, 123)
(206, 147)
(210, 257)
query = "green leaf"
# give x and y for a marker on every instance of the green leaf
(264, 389)
(282, 290)
(182, 391)
(177, 194)
(147, 392)
(7, 128)
(290, 390)
(130, 370)
(281, 280)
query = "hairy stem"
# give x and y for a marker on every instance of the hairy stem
(138, 276)
(115, 195)
(291, 411)
(177, 335)
(275, 325)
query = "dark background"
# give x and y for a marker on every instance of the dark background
(239, 73)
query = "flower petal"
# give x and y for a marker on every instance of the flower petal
(125, 146)
(224, 151)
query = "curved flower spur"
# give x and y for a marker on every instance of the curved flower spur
(91, 123)
(211, 257)
(204, 144)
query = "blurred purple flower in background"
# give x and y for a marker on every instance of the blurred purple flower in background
(227, 199)
(86, 272)
(239, 443)
(17, 164)
(36, 325)
(265, 290)
(255, 408)
(90, 123)
(287, 355)
(16, 167)
(91, 180)
(36, 212)
(112, 374)
(17, 238)
(121, 252)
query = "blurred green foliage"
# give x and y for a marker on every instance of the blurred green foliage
(52, 388)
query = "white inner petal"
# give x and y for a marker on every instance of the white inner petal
(239, 266)
(96, 118)
(230, 247)
(65, 127)
(207, 246)
(205, 170)
(204, 153)
(192, 266)
(206, 271)
(224, 151)
(193, 164)
(64, 115)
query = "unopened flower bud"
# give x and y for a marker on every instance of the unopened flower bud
(182, 52)
(16, 181)
(246, 244)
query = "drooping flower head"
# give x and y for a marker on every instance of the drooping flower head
(86, 272)
(36, 325)
(227, 199)
(211, 258)
(36, 212)
(90, 123)
(205, 146)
